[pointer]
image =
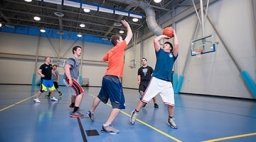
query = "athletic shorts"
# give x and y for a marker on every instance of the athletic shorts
(45, 85)
(161, 87)
(75, 89)
(143, 86)
(112, 89)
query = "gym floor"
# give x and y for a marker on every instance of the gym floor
(199, 118)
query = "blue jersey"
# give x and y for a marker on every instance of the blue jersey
(164, 64)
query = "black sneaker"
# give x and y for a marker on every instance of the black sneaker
(172, 123)
(156, 105)
(109, 129)
(144, 105)
(90, 115)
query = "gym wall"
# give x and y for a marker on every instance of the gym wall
(213, 73)
(18, 57)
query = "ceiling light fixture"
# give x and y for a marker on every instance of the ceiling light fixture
(42, 30)
(86, 10)
(37, 18)
(135, 19)
(121, 31)
(82, 25)
(58, 14)
(79, 35)
(117, 24)
(28, 0)
(1, 25)
(157, 1)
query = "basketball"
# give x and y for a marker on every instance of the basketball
(168, 31)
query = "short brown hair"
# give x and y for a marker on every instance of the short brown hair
(114, 39)
(170, 45)
(75, 48)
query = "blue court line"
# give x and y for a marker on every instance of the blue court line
(231, 137)
(148, 125)
(12, 105)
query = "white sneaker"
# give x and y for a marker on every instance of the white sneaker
(133, 117)
(172, 123)
(110, 130)
(54, 99)
(36, 100)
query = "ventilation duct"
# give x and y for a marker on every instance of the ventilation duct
(150, 15)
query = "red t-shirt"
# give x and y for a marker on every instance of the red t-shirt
(115, 59)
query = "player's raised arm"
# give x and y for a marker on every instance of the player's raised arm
(129, 31)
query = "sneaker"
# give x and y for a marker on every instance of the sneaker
(156, 105)
(90, 115)
(110, 130)
(76, 115)
(172, 123)
(36, 100)
(54, 99)
(133, 117)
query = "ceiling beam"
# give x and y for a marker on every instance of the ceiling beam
(66, 11)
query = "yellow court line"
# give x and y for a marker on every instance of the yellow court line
(231, 137)
(150, 126)
(12, 105)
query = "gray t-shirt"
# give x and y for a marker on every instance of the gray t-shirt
(55, 75)
(74, 70)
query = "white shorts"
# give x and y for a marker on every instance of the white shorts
(161, 87)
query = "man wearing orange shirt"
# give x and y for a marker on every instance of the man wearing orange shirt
(111, 85)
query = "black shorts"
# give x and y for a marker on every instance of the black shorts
(143, 86)
(112, 89)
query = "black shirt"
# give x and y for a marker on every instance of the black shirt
(145, 73)
(46, 71)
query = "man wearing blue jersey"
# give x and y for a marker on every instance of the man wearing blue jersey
(161, 78)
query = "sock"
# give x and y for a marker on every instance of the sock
(105, 125)
(75, 109)
(72, 104)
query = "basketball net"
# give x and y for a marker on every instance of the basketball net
(199, 52)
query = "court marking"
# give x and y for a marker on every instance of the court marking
(12, 105)
(81, 130)
(148, 125)
(231, 137)
(154, 128)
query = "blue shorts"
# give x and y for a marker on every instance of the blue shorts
(112, 89)
(47, 84)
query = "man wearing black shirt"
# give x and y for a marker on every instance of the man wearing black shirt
(45, 71)
(144, 76)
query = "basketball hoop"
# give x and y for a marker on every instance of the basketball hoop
(203, 45)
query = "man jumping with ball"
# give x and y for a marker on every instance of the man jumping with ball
(161, 81)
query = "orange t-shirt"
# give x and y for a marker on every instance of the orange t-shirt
(115, 59)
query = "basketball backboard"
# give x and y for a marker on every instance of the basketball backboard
(203, 45)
